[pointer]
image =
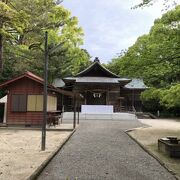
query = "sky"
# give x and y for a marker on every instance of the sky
(110, 26)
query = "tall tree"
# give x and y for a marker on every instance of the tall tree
(25, 49)
(11, 22)
(155, 57)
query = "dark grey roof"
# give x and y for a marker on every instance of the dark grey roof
(97, 80)
(136, 84)
(101, 68)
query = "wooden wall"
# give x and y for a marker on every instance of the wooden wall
(24, 86)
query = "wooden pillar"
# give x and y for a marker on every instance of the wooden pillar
(133, 97)
(85, 99)
(62, 100)
(107, 97)
(78, 111)
(120, 98)
(62, 106)
(74, 104)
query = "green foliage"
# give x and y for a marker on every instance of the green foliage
(151, 94)
(11, 20)
(155, 57)
(162, 99)
(167, 3)
(23, 30)
(171, 97)
(67, 63)
(150, 99)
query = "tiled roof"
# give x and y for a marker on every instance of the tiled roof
(136, 84)
(26, 74)
(97, 80)
(95, 65)
(34, 76)
(37, 79)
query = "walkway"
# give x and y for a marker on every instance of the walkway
(100, 150)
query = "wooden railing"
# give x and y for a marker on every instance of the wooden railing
(125, 109)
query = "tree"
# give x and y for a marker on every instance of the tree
(167, 3)
(155, 57)
(24, 50)
(162, 99)
(11, 22)
(151, 99)
(171, 97)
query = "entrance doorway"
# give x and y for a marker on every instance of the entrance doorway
(94, 98)
(2, 105)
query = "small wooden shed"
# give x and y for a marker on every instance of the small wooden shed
(25, 100)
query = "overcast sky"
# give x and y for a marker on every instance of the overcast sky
(111, 26)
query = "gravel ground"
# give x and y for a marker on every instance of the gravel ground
(20, 151)
(100, 150)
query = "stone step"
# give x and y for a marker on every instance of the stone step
(113, 116)
(143, 115)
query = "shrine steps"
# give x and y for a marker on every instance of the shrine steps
(113, 116)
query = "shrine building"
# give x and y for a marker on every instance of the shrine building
(98, 86)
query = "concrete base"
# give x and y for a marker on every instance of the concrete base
(172, 150)
(113, 116)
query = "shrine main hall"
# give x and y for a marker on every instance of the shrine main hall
(97, 86)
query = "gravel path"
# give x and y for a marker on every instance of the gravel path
(100, 150)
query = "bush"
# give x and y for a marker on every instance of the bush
(171, 97)
(165, 100)
(151, 99)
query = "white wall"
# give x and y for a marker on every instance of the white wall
(96, 109)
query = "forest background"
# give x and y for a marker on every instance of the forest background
(155, 57)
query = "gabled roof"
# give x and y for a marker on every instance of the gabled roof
(38, 80)
(96, 70)
(27, 75)
(136, 84)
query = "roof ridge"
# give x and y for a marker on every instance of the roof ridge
(27, 74)
(101, 66)
(34, 76)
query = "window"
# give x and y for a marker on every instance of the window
(52, 103)
(19, 103)
(35, 103)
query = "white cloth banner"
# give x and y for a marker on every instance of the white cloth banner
(96, 109)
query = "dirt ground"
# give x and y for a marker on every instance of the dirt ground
(20, 151)
(155, 129)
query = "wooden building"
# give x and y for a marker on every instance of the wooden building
(25, 100)
(94, 86)
(99, 86)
